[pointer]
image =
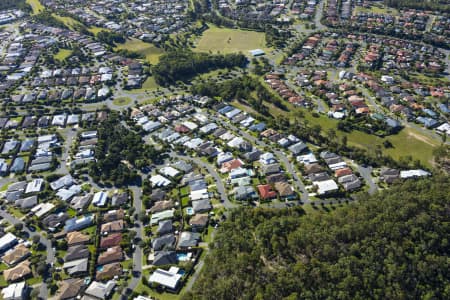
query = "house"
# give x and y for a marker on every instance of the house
(267, 158)
(112, 254)
(198, 222)
(164, 227)
(111, 240)
(112, 215)
(342, 172)
(389, 175)
(65, 181)
(159, 181)
(266, 192)
(270, 169)
(202, 205)
(20, 271)
(414, 174)
(99, 290)
(75, 224)
(326, 186)
(244, 193)
(163, 258)
(76, 252)
(34, 186)
(298, 148)
(16, 255)
(76, 238)
(108, 271)
(15, 291)
(70, 288)
(161, 206)
(164, 242)
(188, 239)
(76, 267)
(113, 226)
(80, 202)
(169, 279)
(25, 203)
(162, 215)
(7, 241)
(277, 177)
(100, 199)
(285, 190)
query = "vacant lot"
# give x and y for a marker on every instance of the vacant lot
(226, 40)
(150, 51)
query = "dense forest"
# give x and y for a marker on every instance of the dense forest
(118, 151)
(393, 245)
(183, 65)
(439, 5)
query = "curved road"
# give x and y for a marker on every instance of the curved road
(280, 155)
(220, 187)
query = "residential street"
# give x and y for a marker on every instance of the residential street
(220, 187)
(43, 294)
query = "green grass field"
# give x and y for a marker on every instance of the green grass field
(63, 54)
(376, 9)
(150, 51)
(226, 40)
(68, 21)
(122, 101)
(36, 5)
(403, 142)
(95, 30)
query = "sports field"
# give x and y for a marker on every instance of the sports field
(226, 40)
(150, 51)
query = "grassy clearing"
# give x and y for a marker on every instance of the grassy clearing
(150, 51)
(68, 21)
(403, 142)
(63, 54)
(376, 9)
(122, 101)
(226, 40)
(36, 5)
(95, 30)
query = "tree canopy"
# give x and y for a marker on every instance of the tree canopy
(393, 245)
(183, 65)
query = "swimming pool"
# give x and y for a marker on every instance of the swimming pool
(182, 256)
(99, 268)
(189, 211)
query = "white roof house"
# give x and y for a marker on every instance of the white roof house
(14, 291)
(326, 186)
(159, 181)
(59, 120)
(7, 241)
(100, 290)
(42, 209)
(169, 279)
(414, 173)
(100, 199)
(169, 171)
(190, 125)
(34, 186)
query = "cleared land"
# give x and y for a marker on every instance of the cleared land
(150, 51)
(226, 40)
(63, 54)
(36, 5)
(95, 30)
(68, 21)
